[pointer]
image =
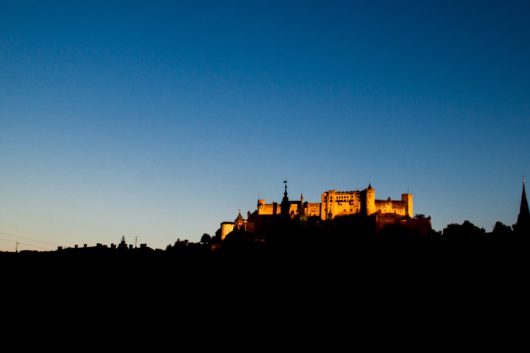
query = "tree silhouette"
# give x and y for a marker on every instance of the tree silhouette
(465, 231)
(206, 238)
(501, 229)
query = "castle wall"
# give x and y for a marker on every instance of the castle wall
(313, 209)
(391, 206)
(275, 209)
(340, 203)
(343, 203)
(226, 228)
(266, 209)
(344, 208)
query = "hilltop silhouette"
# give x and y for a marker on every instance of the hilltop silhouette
(337, 277)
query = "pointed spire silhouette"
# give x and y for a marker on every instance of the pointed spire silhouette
(285, 205)
(239, 216)
(524, 213)
(239, 222)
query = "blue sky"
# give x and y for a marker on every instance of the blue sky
(160, 119)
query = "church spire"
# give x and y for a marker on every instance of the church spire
(523, 211)
(285, 205)
(523, 220)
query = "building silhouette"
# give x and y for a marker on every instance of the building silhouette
(523, 219)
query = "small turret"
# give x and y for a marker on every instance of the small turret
(285, 205)
(239, 222)
(239, 217)
(370, 200)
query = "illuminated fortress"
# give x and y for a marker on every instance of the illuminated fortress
(339, 203)
(333, 204)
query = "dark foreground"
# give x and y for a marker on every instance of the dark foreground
(337, 293)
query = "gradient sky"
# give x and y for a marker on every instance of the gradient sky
(160, 119)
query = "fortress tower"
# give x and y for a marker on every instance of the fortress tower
(407, 200)
(368, 201)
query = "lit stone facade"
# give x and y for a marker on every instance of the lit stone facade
(342, 203)
(238, 224)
